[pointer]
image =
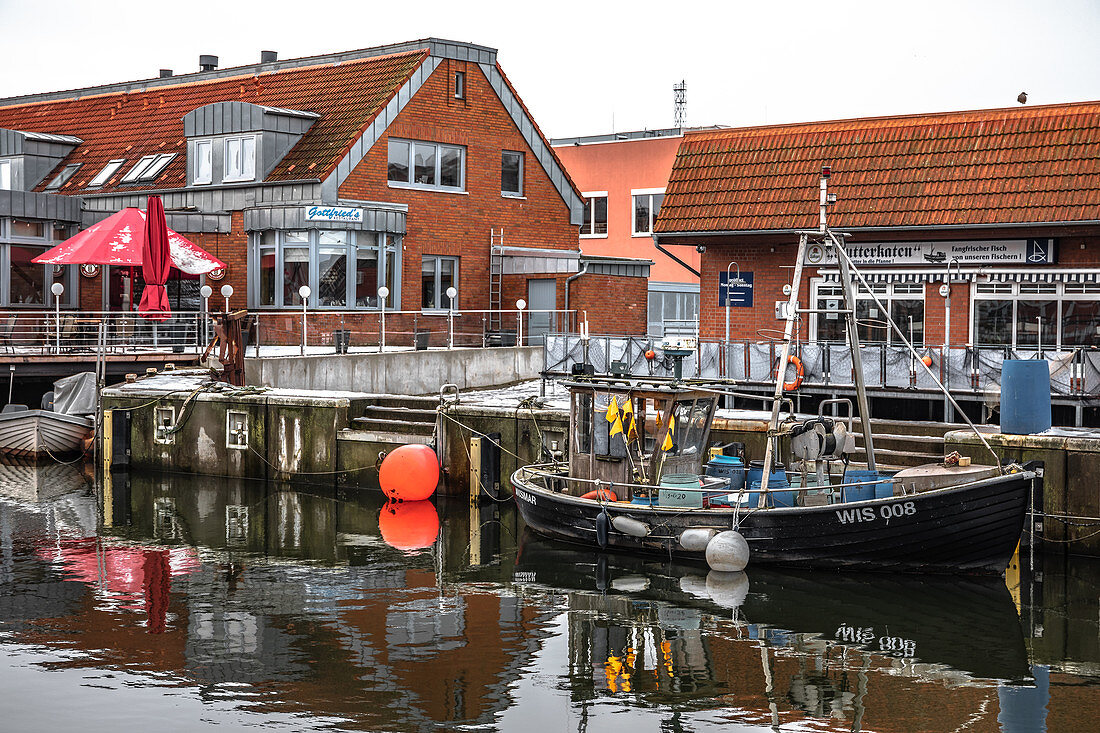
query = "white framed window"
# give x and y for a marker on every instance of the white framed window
(460, 85)
(236, 430)
(157, 167)
(202, 169)
(647, 202)
(595, 214)
(344, 269)
(108, 170)
(63, 177)
(139, 167)
(418, 164)
(511, 173)
(5, 175)
(240, 158)
(437, 275)
(1034, 315)
(904, 303)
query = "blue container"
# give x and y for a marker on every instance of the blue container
(644, 500)
(881, 490)
(1025, 396)
(777, 480)
(731, 467)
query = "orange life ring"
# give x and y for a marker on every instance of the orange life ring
(601, 495)
(799, 372)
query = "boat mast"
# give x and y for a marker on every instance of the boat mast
(846, 282)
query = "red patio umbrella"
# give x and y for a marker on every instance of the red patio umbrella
(155, 263)
(119, 240)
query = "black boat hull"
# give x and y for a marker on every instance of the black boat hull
(972, 528)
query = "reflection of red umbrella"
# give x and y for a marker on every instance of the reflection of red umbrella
(155, 263)
(119, 240)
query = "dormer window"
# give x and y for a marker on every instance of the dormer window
(104, 175)
(63, 177)
(148, 168)
(5, 175)
(204, 162)
(240, 158)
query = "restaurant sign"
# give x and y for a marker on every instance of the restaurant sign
(973, 252)
(334, 213)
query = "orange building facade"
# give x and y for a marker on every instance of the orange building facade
(622, 177)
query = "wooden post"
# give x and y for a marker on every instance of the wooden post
(475, 469)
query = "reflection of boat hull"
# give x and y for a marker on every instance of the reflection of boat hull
(38, 433)
(968, 624)
(974, 527)
(36, 482)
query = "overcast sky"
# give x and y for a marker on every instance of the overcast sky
(590, 67)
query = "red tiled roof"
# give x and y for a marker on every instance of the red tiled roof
(129, 125)
(1000, 166)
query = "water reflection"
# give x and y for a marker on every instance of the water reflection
(273, 606)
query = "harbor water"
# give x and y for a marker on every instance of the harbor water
(179, 603)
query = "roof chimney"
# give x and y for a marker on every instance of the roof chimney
(208, 63)
(266, 57)
(165, 73)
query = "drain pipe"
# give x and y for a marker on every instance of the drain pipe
(676, 259)
(571, 278)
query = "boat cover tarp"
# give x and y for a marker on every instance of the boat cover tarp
(75, 395)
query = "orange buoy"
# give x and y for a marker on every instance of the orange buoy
(409, 525)
(927, 360)
(651, 354)
(409, 473)
(601, 495)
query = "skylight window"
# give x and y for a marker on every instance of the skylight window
(108, 170)
(63, 177)
(148, 168)
(157, 166)
(138, 169)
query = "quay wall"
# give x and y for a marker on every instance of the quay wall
(1071, 473)
(398, 372)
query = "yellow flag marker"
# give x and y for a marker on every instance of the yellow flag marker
(667, 445)
(628, 419)
(614, 417)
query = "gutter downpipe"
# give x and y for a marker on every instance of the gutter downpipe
(676, 259)
(571, 278)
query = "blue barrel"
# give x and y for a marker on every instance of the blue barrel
(881, 490)
(777, 480)
(1025, 396)
(731, 467)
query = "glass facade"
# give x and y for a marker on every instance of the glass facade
(1032, 315)
(24, 283)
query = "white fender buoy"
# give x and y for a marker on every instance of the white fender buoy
(728, 552)
(727, 589)
(630, 526)
(630, 583)
(696, 539)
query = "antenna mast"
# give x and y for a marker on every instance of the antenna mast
(679, 103)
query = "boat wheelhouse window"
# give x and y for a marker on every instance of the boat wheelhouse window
(582, 422)
(604, 443)
(689, 426)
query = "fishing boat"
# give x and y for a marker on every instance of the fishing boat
(59, 432)
(639, 475)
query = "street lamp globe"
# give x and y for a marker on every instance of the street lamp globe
(521, 304)
(304, 291)
(227, 291)
(57, 289)
(206, 291)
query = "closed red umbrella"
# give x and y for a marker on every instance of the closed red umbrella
(156, 262)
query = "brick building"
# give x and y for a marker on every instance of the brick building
(413, 167)
(1008, 200)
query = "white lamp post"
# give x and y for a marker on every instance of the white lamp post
(304, 292)
(520, 305)
(227, 293)
(383, 296)
(57, 289)
(451, 294)
(205, 291)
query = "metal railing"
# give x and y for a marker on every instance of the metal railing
(1074, 372)
(71, 333)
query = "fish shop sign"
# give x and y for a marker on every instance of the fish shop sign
(973, 252)
(334, 213)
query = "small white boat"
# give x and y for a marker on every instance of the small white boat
(57, 433)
